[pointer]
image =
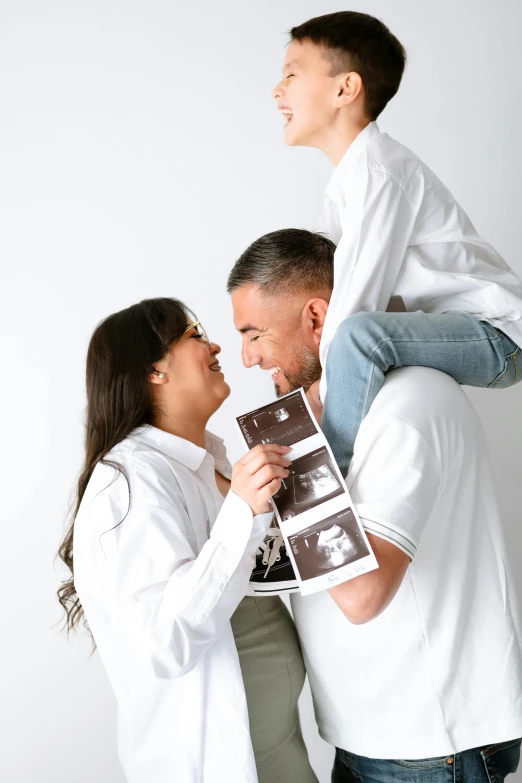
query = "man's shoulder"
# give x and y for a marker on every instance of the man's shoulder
(426, 399)
(420, 434)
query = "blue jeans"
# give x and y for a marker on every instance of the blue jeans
(367, 345)
(489, 764)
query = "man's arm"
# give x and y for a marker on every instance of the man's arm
(363, 598)
(394, 482)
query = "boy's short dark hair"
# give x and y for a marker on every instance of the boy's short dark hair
(361, 43)
(286, 261)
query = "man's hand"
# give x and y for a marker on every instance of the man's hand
(314, 401)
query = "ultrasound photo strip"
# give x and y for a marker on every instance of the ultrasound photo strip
(286, 421)
(323, 534)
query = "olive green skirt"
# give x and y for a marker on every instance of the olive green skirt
(274, 674)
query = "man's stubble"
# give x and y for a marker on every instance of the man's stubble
(309, 372)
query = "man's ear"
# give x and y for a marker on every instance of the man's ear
(350, 87)
(314, 314)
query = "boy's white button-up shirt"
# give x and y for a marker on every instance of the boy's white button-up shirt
(159, 573)
(399, 231)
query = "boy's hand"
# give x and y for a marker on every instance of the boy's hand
(314, 401)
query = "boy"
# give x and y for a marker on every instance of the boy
(398, 232)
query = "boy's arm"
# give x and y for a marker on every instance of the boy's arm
(377, 220)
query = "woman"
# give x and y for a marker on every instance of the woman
(161, 548)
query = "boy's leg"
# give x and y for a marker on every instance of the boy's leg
(367, 345)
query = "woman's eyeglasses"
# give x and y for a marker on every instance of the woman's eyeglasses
(199, 331)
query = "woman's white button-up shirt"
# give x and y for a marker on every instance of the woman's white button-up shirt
(160, 564)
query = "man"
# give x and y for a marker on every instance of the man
(415, 668)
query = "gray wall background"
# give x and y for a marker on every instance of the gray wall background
(140, 154)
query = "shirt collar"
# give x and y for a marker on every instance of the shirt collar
(182, 450)
(357, 145)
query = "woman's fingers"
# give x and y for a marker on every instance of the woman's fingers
(266, 451)
(257, 476)
(262, 460)
(267, 474)
(264, 455)
(271, 489)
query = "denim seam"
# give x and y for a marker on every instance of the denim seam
(498, 746)
(499, 377)
(420, 765)
(483, 757)
(368, 387)
(511, 357)
(474, 340)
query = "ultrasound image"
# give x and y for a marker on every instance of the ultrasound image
(327, 545)
(285, 422)
(313, 479)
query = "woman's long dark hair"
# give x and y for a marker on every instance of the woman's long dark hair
(120, 358)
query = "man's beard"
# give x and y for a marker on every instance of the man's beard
(309, 372)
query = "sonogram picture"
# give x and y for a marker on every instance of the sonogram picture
(322, 531)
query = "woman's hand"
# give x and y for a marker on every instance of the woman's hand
(256, 477)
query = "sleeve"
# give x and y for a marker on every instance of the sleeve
(377, 221)
(394, 481)
(171, 601)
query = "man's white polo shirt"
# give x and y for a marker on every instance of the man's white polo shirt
(440, 670)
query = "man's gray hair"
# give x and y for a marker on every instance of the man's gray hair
(285, 261)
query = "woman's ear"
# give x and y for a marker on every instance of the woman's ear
(314, 314)
(157, 377)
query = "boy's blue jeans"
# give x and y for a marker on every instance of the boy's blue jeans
(489, 764)
(367, 345)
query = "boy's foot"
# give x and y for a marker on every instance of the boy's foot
(273, 573)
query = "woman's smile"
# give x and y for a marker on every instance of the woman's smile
(216, 367)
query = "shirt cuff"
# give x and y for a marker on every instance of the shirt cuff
(260, 526)
(237, 529)
(389, 534)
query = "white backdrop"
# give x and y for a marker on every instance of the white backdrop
(141, 152)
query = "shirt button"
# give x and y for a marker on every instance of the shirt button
(450, 760)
